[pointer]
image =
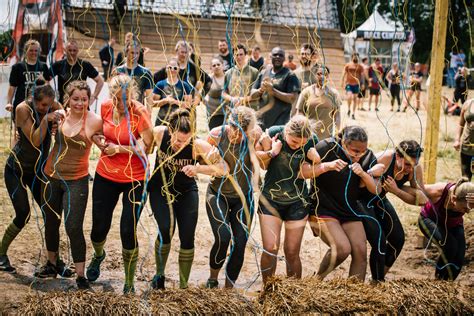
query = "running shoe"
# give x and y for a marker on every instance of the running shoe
(5, 265)
(82, 283)
(93, 270)
(63, 270)
(47, 271)
(212, 284)
(158, 282)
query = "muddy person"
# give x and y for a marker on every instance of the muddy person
(441, 221)
(334, 216)
(67, 186)
(382, 226)
(122, 166)
(36, 119)
(230, 199)
(173, 191)
(283, 151)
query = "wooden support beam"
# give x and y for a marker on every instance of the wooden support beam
(434, 91)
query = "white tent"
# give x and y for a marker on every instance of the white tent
(378, 38)
(376, 28)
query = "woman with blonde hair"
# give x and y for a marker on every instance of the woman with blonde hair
(122, 169)
(441, 221)
(282, 151)
(24, 74)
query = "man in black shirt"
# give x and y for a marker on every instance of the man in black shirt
(225, 55)
(188, 71)
(73, 68)
(256, 59)
(140, 74)
(106, 55)
(24, 74)
(277, 88)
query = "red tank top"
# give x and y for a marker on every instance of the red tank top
(438, 213)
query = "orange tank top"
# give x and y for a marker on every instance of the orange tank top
(69, 159)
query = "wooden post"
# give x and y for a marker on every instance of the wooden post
(434, 91)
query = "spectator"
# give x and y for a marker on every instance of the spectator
(225, 55)
(453, 66)
(23, 76)
(73, 68)
(364, 84)
(465, 138)
(277, 88)
(460, 92)
(306, 74)
(351, 79)
(141, 59)
(188, 71)
(141, 75)
(290, 64)
(256, 59)
(394, 77)
(106, 55)
(171, 93)
(375, 80)
(213, 100)
(239, 79)
(321, 104)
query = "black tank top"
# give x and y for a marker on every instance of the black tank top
(389, 172)
(24, 154)
(240, 169)
(395, 78)
(170, 163)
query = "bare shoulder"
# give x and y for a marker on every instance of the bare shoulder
(158, 132)
(93, 117)
(434, 191)
(23, 112)
(385, 157)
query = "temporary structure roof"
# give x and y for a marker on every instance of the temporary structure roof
(376, 27)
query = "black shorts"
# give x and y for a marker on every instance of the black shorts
(415, 87)
(362, 93)
(374, 91)
(286, 212)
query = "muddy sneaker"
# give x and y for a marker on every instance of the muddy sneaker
(63, 270)
(128, 289)
(93, 270)
(158, 282)
(5, 265)
(82, 283)
(47, 271)
(212, 284)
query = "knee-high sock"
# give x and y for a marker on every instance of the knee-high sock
(10, 234)
(99, 248)
(161, 256)
(185, 259)
(130, 258)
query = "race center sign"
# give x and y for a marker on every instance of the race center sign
(376, 35)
